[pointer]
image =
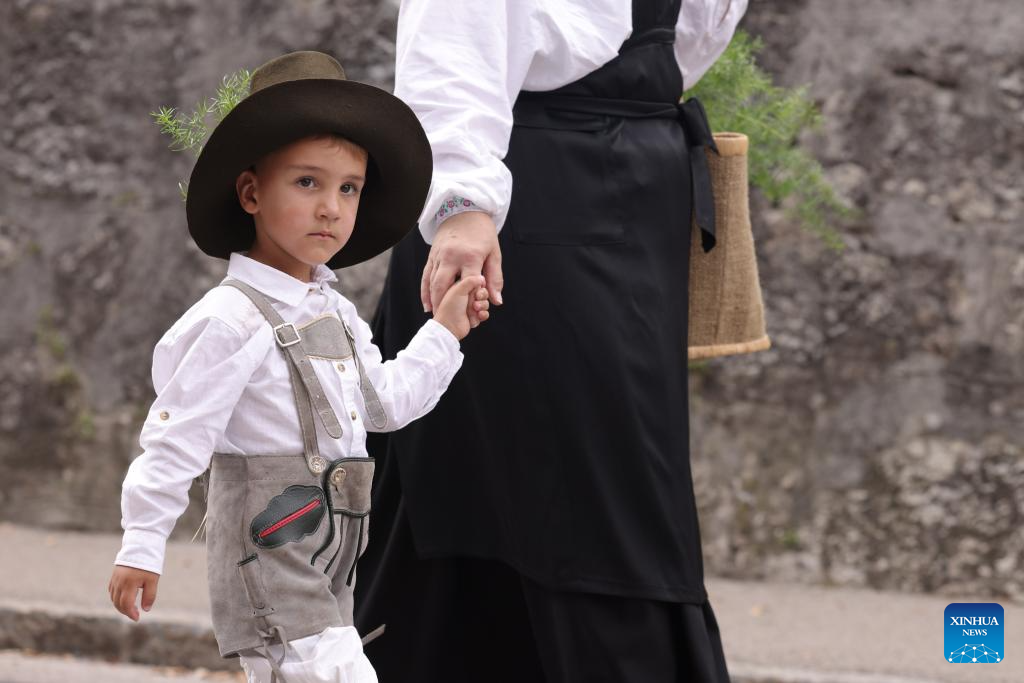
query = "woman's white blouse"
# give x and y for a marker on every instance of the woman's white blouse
(222, 386)
(462, 63)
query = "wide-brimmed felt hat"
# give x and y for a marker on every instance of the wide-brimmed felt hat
(293, 97)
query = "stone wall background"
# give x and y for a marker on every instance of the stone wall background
(879, 443)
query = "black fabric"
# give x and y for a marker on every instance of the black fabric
(558, 459)
(563, 112)
(587, 638)
(447, 620)
(562, 445)
(468, 620)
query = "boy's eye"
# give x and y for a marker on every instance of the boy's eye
(305, 181)
(349, 188)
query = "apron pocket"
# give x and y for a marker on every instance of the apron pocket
(563, 188)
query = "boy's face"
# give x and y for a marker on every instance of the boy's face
(303, 199)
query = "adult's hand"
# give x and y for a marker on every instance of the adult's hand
(466, 244)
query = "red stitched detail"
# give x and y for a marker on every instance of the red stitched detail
(290, 518)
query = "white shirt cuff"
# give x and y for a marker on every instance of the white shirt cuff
(435, 330)
(142, 549)
(434, 340)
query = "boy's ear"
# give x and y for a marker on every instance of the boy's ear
(245, 187)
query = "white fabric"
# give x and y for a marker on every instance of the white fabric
(223, 386)
(460, 67)
(334, 655)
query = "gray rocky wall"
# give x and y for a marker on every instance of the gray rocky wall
(881, 441)
(878, 443)
(95, 259)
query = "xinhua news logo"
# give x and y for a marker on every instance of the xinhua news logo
(974, 633)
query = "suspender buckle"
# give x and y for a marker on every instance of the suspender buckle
(286, 341)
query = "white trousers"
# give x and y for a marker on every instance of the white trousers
(335, 655)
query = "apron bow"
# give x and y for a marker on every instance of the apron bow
(698, 137)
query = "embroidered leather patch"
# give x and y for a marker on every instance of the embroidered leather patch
(291, 516)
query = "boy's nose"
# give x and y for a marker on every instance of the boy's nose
(330, 208)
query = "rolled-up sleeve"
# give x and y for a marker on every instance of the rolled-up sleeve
(411, 384)
(703, 31)
(199, 376)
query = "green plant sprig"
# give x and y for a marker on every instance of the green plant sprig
(189, 132)
(740, 96)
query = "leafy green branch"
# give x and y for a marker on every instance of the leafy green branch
(188, 132)
(739, 96)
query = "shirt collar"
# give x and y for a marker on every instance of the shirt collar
(275, 283)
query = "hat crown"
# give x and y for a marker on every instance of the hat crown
(296, 66)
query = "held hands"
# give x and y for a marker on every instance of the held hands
(124, 586)
(466, 244)
(464, 306)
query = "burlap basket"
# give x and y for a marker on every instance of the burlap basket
(726, 308)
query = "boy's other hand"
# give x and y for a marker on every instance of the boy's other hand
(465, 305)
(125, 584)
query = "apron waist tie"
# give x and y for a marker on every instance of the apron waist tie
(533, 109)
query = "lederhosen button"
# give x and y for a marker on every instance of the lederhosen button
(338, 476)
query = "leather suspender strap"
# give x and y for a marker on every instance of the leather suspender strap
(378, 416)
(309, 394)
(287, 337)
(316, 462)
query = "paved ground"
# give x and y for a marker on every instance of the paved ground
(53, 600)
(17, 667)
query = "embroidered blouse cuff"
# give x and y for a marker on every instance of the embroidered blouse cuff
(452, 206)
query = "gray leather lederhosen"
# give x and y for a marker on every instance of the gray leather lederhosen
(284, 531)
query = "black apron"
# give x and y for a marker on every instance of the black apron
(562, 446)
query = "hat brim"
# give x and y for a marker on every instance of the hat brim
(398, 173)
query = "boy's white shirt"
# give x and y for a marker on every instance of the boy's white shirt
(223, 386)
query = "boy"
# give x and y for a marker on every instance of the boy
(308, 173)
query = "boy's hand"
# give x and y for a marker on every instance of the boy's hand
(464, 306)
(124, 587)
(466, 244)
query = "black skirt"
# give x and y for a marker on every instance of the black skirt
(464, 620)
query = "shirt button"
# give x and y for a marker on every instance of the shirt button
(341, 367)
(164, 415)
(353, 414)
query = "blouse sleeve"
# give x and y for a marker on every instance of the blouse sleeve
(199, 376)
(703, 31)
(460, 67)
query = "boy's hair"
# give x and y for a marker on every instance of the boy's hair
(337, 138)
